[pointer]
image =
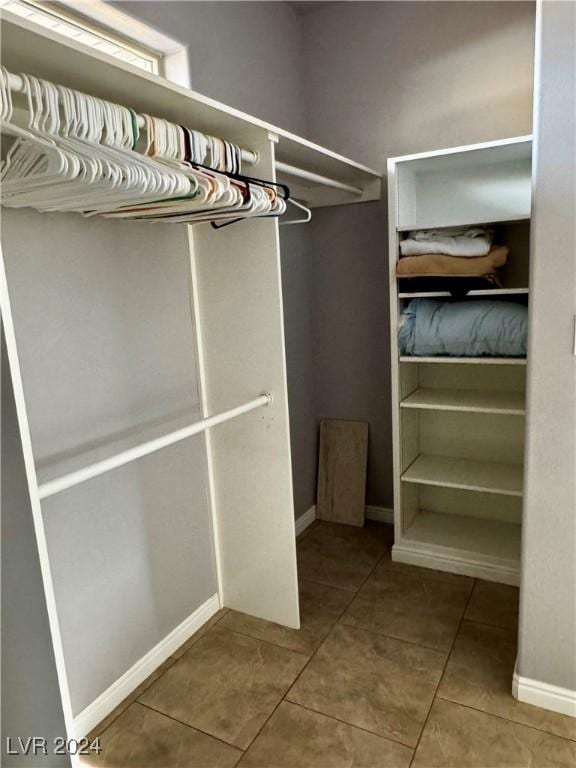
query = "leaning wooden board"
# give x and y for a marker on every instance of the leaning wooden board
(342, 471)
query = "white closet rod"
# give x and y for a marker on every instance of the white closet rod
(300, 173)
(17, 86)
(125, 457)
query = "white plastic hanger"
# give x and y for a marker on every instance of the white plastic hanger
(305, 220)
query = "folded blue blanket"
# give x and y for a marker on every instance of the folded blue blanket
(464, 328)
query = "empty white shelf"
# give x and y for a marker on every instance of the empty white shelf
(481, 537)
(467, 360)
(470, 400)
(483, 476)
(477, 292)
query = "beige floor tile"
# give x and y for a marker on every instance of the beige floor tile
(297, 738)
(458, 737)
(415, 609)
(341, 556)
(479, 674)
(495, 604)
(201, 632)
(157, 673)
(320, 608)
(226, 685)
(378, 683)
(308, 529)
(424, 573)
(141, 738)
(123, 706)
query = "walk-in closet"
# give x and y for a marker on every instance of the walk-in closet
(288, 374)
(127, 340)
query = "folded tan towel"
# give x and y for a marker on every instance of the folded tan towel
(440, 265)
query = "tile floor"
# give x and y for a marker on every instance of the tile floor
(394, 666)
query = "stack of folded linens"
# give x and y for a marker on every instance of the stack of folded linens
(451, 253)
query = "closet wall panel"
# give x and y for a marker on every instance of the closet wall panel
(104, 329)
(103, 324)
(131, 556)
(238, 279)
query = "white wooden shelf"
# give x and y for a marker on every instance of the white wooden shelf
(455, 222)
(488, 549)
(469, 475)
(480, 183)
(40, 52)
(479, 292)
(458, 423)
(466, 360)
(467, 400)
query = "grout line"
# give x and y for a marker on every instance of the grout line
(136, 699)
(332, 586)
(350, 725)
(336, 623)
(443, 670)
(268, 642)
(512, 630)
(187, 725)
(128, 701)
(353, 593)
(508, 720)
(370, 631)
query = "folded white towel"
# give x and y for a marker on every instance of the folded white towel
(471, 241)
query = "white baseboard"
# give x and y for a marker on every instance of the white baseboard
(305, 519)
(95, 712)
(455, 561)
(380, 514)
(551, 697)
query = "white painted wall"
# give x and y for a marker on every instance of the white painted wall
(385, 79)
(547, 651)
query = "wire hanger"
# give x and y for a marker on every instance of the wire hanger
(305, 220)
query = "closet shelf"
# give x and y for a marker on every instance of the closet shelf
(469, 400)
(25, 48)
(466, 474)
(466, 360)
(476, 546)
(478, 292)
(466, 221)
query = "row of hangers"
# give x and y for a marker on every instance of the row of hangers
(79, 153)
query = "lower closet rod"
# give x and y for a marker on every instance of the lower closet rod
(125, 457)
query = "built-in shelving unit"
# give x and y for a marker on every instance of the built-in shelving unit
(477, 292)
(316, 175)
(466, 360)
(475, 401)
(484, 476)
(458, 422)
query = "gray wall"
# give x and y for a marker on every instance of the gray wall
(106, 348)
(245, 54)
(384, 79)
(548, 594)
(378, 79)
(249, 55)
(30, 695)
